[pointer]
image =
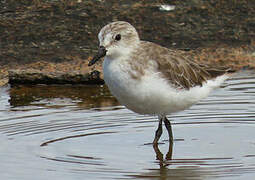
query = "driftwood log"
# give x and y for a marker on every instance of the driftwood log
(33, 76)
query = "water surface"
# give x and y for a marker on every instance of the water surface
(81, 132)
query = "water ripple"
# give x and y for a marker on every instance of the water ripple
(78, 131)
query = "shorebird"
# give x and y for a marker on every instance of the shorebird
(150, 79)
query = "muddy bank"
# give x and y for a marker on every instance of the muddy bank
(78, 71)
(57, 36)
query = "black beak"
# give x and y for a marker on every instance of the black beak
(101, 53)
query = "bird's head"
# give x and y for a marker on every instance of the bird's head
(116, 39)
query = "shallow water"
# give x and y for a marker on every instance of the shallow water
(79, 132)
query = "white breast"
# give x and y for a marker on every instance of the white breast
(118, 80)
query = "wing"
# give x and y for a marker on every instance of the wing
(177, 67)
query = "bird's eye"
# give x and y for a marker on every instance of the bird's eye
(117, 37)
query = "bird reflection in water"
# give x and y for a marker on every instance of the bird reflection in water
(160, 156)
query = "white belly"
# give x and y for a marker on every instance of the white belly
(151, 94)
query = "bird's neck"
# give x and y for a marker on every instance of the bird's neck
(122, 53)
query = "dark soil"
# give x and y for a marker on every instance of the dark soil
(62, 30)
(52, 30)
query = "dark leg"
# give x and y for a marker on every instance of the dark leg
(159, 155)
(169, 129)
(158, 132)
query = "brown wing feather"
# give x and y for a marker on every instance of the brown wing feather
(184, 73)
(177, 66)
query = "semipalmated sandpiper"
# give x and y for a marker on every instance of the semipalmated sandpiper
(150, 79)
